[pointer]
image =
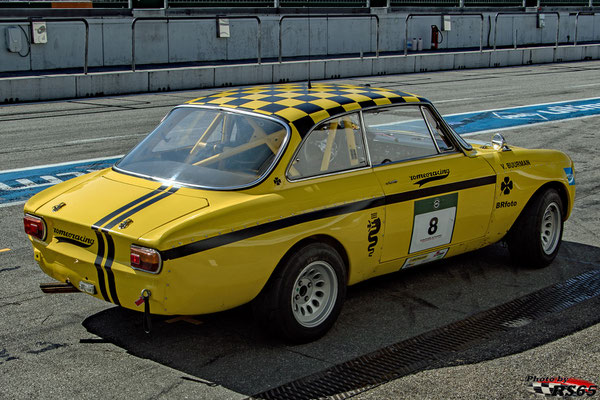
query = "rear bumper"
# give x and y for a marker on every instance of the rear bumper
(183, 287)
(120, 285)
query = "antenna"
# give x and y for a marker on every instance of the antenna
(308, 3)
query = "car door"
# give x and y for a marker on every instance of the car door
(436, 195)
(330, 175)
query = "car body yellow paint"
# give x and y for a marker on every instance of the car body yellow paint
(219, 247)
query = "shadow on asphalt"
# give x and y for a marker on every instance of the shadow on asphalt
(228, 349)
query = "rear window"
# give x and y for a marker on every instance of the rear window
(208, 148)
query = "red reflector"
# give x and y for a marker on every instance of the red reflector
(145, 259)
(34, 226)
(135, 260)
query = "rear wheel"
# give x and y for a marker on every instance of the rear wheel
(535, 238)
(304, 296)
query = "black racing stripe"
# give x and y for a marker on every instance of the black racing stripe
(222, 240)
(110, 256)
(129, 205)
(247, 233)
(98, 265)
(129, 213)
(432, 191)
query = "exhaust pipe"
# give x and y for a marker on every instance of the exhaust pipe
(58, 287)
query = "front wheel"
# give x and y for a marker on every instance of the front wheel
(304, 296)
(535, 238)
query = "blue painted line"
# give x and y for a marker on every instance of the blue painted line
(16, 186)
(479, 121)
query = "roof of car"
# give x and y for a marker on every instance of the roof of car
(303, 106)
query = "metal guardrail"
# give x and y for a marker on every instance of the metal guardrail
(409, 16)
(577, 23)
(214, 17)
(525, 14)
(85, 23)
(463, 4)
(327, 16)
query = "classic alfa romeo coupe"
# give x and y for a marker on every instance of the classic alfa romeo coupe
(284, 195)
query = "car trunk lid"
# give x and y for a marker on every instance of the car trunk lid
(127, 206)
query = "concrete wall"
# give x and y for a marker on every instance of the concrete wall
(196, 41)
(49, 87)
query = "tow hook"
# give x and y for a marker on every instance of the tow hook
(145, 298)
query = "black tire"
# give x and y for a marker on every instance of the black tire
(304, 297)
(535, 237)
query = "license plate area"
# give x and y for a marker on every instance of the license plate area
(87, 287)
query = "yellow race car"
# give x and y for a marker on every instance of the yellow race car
(284, 195)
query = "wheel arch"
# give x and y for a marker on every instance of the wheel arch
(319, 238)
(562, 192)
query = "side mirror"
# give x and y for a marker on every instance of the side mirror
(499, 143)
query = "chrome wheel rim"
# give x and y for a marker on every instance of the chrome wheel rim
(314, 294)
(550, 229)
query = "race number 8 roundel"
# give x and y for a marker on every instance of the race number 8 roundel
(433, 224)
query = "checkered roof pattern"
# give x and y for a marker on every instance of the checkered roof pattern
(304, 107)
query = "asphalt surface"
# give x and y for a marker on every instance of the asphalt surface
(74, 346)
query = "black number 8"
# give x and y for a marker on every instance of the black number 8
(433, 226)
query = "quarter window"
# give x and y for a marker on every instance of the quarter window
(333, 146)
(442, 141)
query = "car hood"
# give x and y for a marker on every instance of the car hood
(127, 206)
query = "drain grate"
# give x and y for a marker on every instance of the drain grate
(411, 355)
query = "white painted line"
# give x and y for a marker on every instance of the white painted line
(101, 139)
(26, 182)
(61, 164)
(452, 100)
(14, 203)
(589, 84)
(52, 179)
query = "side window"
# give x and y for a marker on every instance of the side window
(334, 145)
(396, 134)
(443, 143)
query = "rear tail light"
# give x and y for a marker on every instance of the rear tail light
(34, 226)
(145, 259)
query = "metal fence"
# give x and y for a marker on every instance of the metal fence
(300, 3)
(51, 20)
(497, 21)
(200, 18)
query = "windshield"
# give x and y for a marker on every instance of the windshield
(209, 148)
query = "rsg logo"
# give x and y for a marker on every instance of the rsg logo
(561, 386)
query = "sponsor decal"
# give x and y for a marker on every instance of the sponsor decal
(433, 223)
(515, 164)
(560, 386)
(373, 226)
(506, 204)
(506, 185)
(63, 236)
(425, 258)
(431, 176)
(570, 176)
